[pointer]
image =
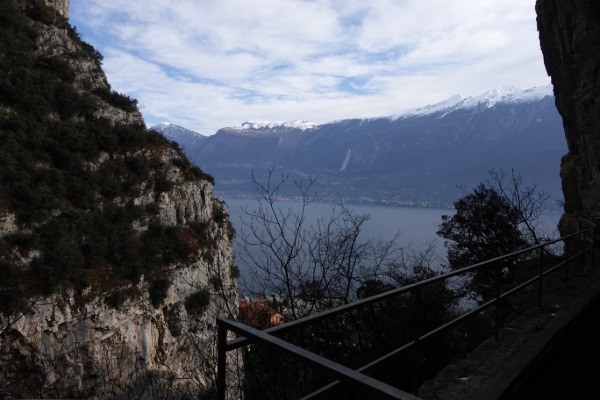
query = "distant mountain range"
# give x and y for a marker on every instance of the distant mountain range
(416, 158)
(187, 139)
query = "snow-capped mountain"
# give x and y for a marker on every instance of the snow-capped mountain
(416, 157)
(186, 138)
(505, 94)
(274, 125)
(510, 94)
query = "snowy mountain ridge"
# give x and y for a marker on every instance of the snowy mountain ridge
(411, 160)
(186, 138)
(488, 99)
(269, 125)
(170, 129)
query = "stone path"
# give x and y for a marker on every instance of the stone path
(527, 359)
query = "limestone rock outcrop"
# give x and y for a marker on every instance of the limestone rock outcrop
(104, 343)
(115, 258)
(570, 41)
(89, 77)
(62, 6)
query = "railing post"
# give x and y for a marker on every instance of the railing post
(541, 277)
(416, 336)
(581, 246)
(593, 235)
(589, 241)
(221, 361)
(498, 273)
(568, 245)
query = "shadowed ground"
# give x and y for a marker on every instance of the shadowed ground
(548, 352)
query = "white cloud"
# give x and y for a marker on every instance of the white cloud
(206, 64)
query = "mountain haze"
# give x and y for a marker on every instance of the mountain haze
(414, 158)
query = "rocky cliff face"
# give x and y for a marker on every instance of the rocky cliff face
(100, 343)
(62, 6)
(115, 259)
(570, 40)
(112, 338)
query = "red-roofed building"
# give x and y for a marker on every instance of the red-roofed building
(259, 314)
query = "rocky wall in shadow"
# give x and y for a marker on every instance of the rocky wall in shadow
(570, 40)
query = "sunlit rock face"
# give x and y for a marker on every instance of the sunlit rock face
(86, 344)
(570, 41)
(62, 6)
(113, 336)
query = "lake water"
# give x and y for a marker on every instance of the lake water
(416, 226)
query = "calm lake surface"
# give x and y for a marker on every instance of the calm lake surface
(417, 226)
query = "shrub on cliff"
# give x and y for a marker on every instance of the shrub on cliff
(196, 303)
(67, 175)
(158, 291)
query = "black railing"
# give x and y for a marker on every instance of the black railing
(577, 246)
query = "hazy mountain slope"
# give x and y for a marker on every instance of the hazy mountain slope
(187, 139)
(415, 158)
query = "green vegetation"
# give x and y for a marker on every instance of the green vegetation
(485, 226)
(75, 211)
(234, 271)
(158, 291)
(221, 217)
(197, 302)
(119, 295)
(78, 248)
(190, 170)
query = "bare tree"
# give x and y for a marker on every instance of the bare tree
(311, 265)
(529, 201)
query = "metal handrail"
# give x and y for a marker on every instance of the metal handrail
(269, 337)
(334, 369)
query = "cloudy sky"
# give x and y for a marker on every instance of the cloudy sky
(208, 64)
